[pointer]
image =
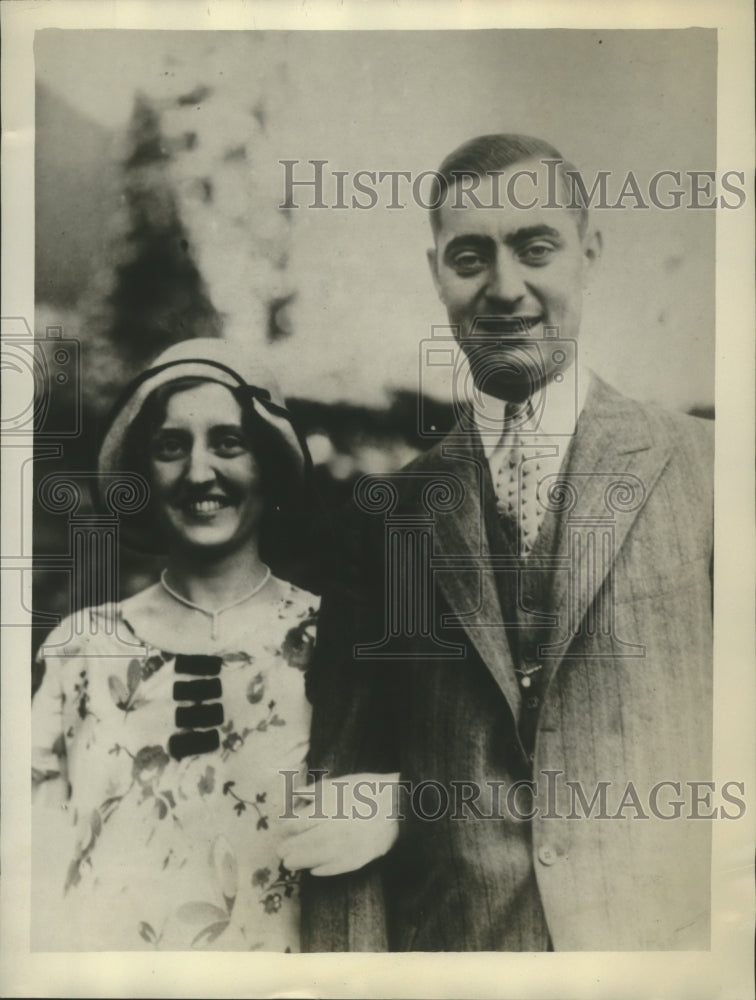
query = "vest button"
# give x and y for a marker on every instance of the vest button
(547, 855)
(533, 701)
(530, 671)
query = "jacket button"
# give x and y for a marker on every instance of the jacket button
(547, 855)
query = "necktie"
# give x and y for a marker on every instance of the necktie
(517, 475)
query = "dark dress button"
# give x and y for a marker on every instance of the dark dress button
(201, 716)
(199, 690)
(199, 666)
(193, 742)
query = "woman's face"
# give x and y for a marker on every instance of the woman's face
(206, 482)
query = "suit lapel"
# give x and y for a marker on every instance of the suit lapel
(460, 535)
(611, 468)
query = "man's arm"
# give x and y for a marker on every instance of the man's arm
(353, 730)
(353, 698)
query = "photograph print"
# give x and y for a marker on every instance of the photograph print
(373, 490)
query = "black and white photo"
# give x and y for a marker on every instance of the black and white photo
(375, 406)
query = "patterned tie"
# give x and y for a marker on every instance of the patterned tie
(518, 472)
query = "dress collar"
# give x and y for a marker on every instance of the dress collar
(160, 621)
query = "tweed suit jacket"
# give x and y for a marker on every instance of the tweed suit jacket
(623, 647)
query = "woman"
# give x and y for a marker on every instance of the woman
(159, 776)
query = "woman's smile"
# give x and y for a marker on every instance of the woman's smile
(206, 508)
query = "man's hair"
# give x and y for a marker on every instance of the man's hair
(490, 154)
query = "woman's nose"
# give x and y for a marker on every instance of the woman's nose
(200, 468)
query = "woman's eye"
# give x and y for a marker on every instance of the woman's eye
(230, 444)
(167, 449)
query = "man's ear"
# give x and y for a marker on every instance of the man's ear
(432, 256)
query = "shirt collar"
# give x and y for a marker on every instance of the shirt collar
(556, 408)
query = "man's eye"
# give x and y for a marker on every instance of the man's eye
(537, 253)
(468, 262)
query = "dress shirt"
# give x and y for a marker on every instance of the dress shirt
(555, 411)
(545, 432)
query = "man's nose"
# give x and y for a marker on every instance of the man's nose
(506, 282)
(200, 468)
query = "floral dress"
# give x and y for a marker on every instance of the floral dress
(158, 804)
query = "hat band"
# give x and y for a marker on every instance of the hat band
(255, 392)
(262, 394)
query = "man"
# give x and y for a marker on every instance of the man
(548, 708)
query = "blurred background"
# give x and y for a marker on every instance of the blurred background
(158, 186)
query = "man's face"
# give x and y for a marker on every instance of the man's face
(505, 273)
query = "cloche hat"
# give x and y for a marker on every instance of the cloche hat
(218, 361)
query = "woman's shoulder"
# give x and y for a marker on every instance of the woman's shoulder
(294, 601)
(297, 613)
(143, 600)
(87, 632)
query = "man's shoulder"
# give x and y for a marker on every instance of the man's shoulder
(379, 496)
(688, 436)
(685, 430)
(679, 429)
(430, 460)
